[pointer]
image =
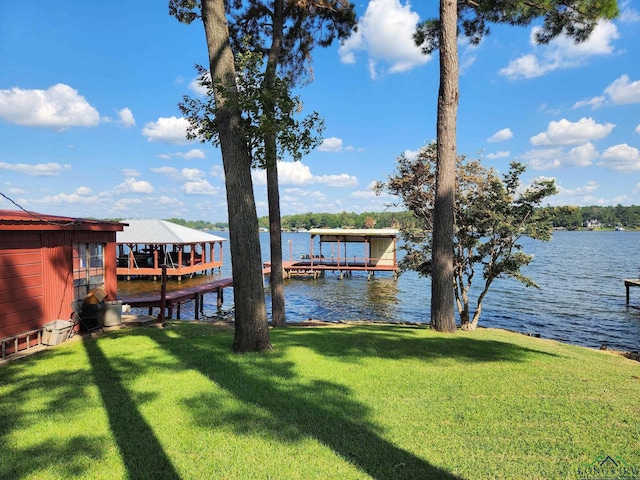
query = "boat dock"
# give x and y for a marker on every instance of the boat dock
(376, 252)
(630, 282)
(176, 297)
(318, 267)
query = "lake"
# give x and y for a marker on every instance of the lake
(581, 299)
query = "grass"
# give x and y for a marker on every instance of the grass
(356, 402)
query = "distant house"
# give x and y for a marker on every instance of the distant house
(46, 262)
(145, 245)
(593, 224)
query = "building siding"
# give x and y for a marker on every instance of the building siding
(21, 283)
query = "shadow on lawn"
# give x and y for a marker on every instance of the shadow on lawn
(50, 395)
(396, 342)
(318, 409)
(141, 452)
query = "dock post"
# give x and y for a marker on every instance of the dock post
(163, 294)
(220, 297)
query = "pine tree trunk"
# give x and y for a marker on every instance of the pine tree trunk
(251, 327)
(442, 294)
(278, 318)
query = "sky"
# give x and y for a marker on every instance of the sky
(90, 124)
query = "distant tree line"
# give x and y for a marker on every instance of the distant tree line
(307, 221)
(575, 218)
(571, 218)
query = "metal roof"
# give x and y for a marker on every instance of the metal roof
(354, 235)
(25, 220)
(355, 232)
(154, 232)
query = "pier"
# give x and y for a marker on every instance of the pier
(377, 253)
(628, 283)
(176, 297)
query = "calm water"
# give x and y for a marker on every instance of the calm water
(581, 299)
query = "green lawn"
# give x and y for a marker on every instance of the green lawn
(365, 401)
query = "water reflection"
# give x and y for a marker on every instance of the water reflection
(581, 299)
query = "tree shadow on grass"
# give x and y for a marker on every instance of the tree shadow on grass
(45, 394)
(321, 410)
(396, 342)
(142, 453)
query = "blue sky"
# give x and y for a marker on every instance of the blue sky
(89, 123)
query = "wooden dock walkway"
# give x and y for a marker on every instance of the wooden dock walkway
(316, 268)
(630, 282)
(176, 297)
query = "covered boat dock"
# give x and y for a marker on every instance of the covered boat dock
(145, 245)
(375, 252)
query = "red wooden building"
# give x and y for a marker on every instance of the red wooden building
(46, 262)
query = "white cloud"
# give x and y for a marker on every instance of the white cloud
(580, 195)
(190, 155)
(169, 201)
(331, 144)
(564, 132)
(496, 155)
(84, 191)
(581, 156)
(594, 102)
(183, 175)
(638, 129)
(411, 154)
(36, 170)
(341, 180)
(628, 14)
(292, 195)
(130, 172)
(620, 92)
(59, 107)
(66, 198)
(191, 174)
(527, 66)
(124, 204)
(131, 185)
(297, 173)
(165, 170)
(622, 158)
(370, 194)
(385, 33)
(549, 158)
(196, 88)
(126, 117)
(467, 54)
(199, 187)
(543, 159)
(293, 173)
(193, 153)
(501, 135)
(168, 130)
(217, 171)
(562, 53)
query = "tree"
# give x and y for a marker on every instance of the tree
(285, 33)
(492, 215)
(251, 327)
(268, 121)
(574, 18)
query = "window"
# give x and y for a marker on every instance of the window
(88, 268)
